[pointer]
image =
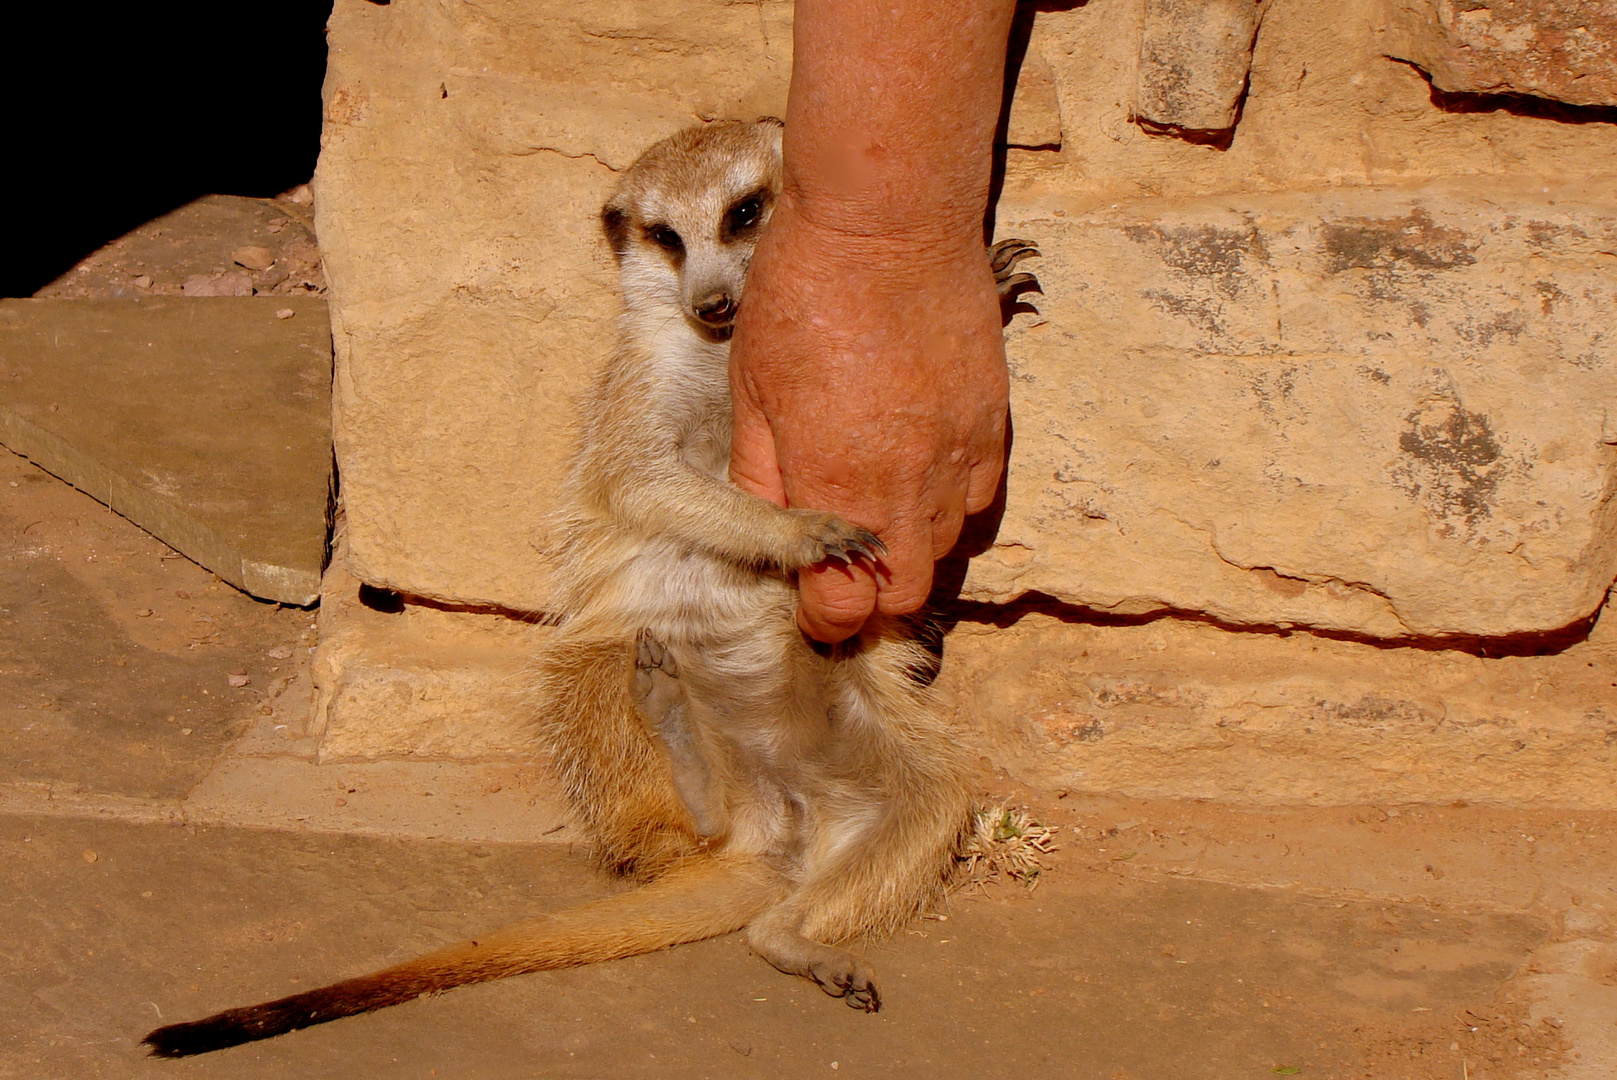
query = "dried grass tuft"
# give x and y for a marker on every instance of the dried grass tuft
(1003, 843)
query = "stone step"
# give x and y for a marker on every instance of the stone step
(206, 421)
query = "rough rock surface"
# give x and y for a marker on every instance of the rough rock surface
(197, 250)
(419, 682)
(1178, 708)
(1560, 49)
(1379, 411)
(1236, 293)
(1344, 372)
(467, 151)
(1194, 57)
(1034, 122)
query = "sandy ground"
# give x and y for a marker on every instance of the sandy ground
(139, 885)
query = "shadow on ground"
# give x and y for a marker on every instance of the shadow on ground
(116, 655)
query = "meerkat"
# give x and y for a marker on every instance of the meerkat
(753, 779)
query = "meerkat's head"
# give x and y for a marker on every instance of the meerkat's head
(687, 214)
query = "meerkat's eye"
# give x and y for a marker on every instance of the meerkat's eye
(666, 238)
(743, 216)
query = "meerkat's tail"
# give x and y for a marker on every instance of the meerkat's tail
(702, 898)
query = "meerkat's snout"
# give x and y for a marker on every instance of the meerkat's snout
(717, 308)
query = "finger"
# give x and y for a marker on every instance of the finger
(754, 458)
(906, 577)
(982, 484)
(835, 600)
(946, 526)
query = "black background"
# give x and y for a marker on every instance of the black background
(117, 113)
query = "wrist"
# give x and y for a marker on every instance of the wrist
(874, 237)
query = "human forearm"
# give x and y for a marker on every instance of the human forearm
(868, 369)
(892, 113)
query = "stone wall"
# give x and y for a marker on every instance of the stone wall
(1322, 382)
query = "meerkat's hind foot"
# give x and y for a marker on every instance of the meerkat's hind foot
(836, 971)
(848, 978)
(656, 679)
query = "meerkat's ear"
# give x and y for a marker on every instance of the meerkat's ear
(772, 121)
(615, 223)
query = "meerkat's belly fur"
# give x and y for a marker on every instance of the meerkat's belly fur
(752, 779)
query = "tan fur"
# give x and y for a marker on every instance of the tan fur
(809, 794)
(830, 766)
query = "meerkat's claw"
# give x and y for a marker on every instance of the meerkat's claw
(850, 550)
(866, 544)
(827, 536)
(849, 980)
(1007, 253)
(865, 998)
(1002, 260)
(1015, 282)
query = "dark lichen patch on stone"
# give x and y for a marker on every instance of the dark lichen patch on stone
(1411, 242)
(1450, 461)
(1205, 251)
(1543, 234)
(1372, 710)
(1274, 392)
(1202, 314)
(1482, 332)
(1549, 294)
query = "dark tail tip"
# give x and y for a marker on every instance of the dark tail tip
(197, 1037)
(236, 1026)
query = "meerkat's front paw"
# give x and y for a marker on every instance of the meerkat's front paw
(825, 536)
(1002, 260)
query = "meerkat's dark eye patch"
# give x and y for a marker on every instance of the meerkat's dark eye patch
(615, 223)
(666, 238)
(745, 214)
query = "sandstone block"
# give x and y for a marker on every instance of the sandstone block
(1560, 49)
(1170, 708)
(1368, 410)
(420, 682)
(1035, 119)
(1377, 412)
(467, 151)
(1194, 58)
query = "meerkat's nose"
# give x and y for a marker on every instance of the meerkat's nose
(716, 308)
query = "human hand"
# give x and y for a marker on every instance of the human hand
(868, 377)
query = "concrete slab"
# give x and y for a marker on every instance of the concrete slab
(206, 421)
